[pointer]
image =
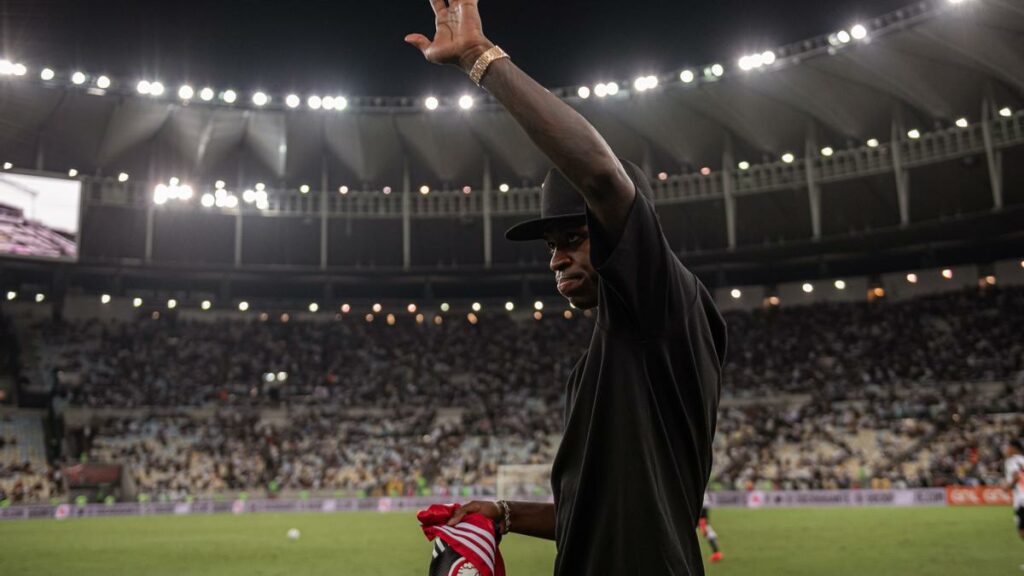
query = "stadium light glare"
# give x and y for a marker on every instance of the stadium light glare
(229, 96)
(304, 189)
(20, 69)
(315, 102)
(123, 177)
(538, 305)
(343, 190)
(377, 308)
(340, 103)
(207, 94)
(391, 319)
(476, 307)
(687, 76)
(6, 67)
(161, 194)
(387, 190)
(47, 74)
(583, 92)
(827, 151)
(105, 299)
(260, 99)
(260, 186)
(103, 82)
(510, 306)
(601, 90)
(346, 308)
(327, 103)
(431, 103)
(962, 123)
(11, 295)
(72, 173)
(314, 307)
(844, 36)
(137, 302)
(613, 88)
(186, 92)
(249, 196)
(744, 165)
(914, 134)
(231, 201)
(206, 305)
(411, 308)
(990, 280)
(40, 297)
(736, 294)
(8, 165)
(873, 143)
(174, 181)
(717, 70)
(467, 190)
(79, 78)
(172, 304)
(424, 190)
(663, 176)
(466, 102)
(947, 274)
(859, 32)
(292, 101)
(445, 307)
(208, 200)
(768, 57)
(1006, 112)
(808, 288)
(219, 185)
(504, 188)
(156, 89)
(143, 87)
(243, 306)
(788, 158)
(840, 285)
(912, 278)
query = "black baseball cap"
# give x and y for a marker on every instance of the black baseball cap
(560, 203)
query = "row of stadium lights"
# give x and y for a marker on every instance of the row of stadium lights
(187, 93)
(476, 307)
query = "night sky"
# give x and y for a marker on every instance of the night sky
(356, 48)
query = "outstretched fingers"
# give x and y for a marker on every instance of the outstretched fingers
(419, 41)
(438, 6)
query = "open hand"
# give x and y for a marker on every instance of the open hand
(459, 39)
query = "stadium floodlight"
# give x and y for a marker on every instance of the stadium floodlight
(137, 302)
(103, 82)
(808, 288)
(8, 165)
(613, 88)
(947, 274)
(282, 376)
(172, 304)
(912, 278)
(249, 196)
(687, 76)
(962, 123)
(79, 78)
(705, 171)
(208, 200)
(601, 90)
(11, 294)
(186, 92)
(156, 89)
(386, 190)
(174, 181)
(219, 185)
(476, 307)
(583, 92)
(768, 57)
(663, 176)
(504, 188)
(343, 190)
(914, 134)
(827, 151)
(260, 99)
(143, 87)
(40, 297)
(736, 294)
(292, 101)
(161, 194)
(424, 190)
(873, 143)
(538, 305)
(431, 103)
(105, 299)
(377, 308)
(123, 177)
(859, 32)
(411, 308)
(19, 69)
(206, 305)
(717, 70)
(840, 285)
(47, 74)
(346, 308)
(843, 36)
(72, 173)
(315, 102)
(643, 83)
(314, 307)
(260, 186)
(340, 103)
(466, 102)
(744, 165)
(231, 201)
(788, 158)
(1006, 112)
(328, 103)
(304, 189)
(510, 306)
(467, 190)
(445, 307)
(6, 67)
(229, 96)
(243, 306)
(207, 94)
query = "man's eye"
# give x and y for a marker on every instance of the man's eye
(574, 239)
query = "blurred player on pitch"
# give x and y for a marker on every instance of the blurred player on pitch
(708, 532)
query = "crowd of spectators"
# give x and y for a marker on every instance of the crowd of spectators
(873, 394)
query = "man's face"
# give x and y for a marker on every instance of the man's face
(570, 261)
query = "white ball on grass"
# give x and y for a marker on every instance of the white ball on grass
(294, 534)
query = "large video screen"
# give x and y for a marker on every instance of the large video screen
(39, 216)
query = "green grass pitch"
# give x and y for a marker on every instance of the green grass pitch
(818, 542)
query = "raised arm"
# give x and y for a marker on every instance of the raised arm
(562, 134)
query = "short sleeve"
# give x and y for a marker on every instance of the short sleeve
(643, 284)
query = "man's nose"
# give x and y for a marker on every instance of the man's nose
(559, 261)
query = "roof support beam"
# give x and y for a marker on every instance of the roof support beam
(994, 157)
(813, 186)
(900, 169)
(729, 190)
(488, 219)
(324, 245)
(406, 215)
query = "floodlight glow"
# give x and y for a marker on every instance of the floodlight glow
(293, 101)
(947, 274)
(314, 307)
(174, 181)
(78, 78)
(601, 90)
(717, 70)
(137, 302)
(328, 103)
(105, 299)
(736, 294)
(186, 92)
(343, 190)
(411, 308)
(40, 297)
(249, 196)
(386, 190)
(243, 306)
(20, 69)
(613, 88)
(207, 94)
(208, 200)
(788, 158)
(687, 76)
(260, 186)
(47, 74)
(912, 278)
(768, 57)
(72, 173)
(1006, 112)
(103, 82)
(859, 32)
(640, 84)
(219, 185)
(377, 308)
(123, 177)
(843, 36)
(11, 295)
(8, 165)
(143, 87)
(315, 102)
(231, 202)
(962, 123)
(206, 305)
(340, 103)
(229, 96)
(431, 103)
(808, 288)
(172, 304)
(744, 165)
(424, 190)
(914, 134)
(538, 305)
(583, 92)
(260, 99)
(304, 189)
(476, 306)
(504, 188)
(6, 67)
(445, 307)
(466, 102)
(509, 306)
(161, 194)
(827, 151)
(873, 143)
(156, 89)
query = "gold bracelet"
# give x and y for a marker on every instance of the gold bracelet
(484, 62)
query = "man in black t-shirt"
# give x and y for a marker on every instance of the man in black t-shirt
(641, 405)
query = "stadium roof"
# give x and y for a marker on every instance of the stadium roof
(928, 65)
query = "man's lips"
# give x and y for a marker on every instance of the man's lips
(568, 281)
